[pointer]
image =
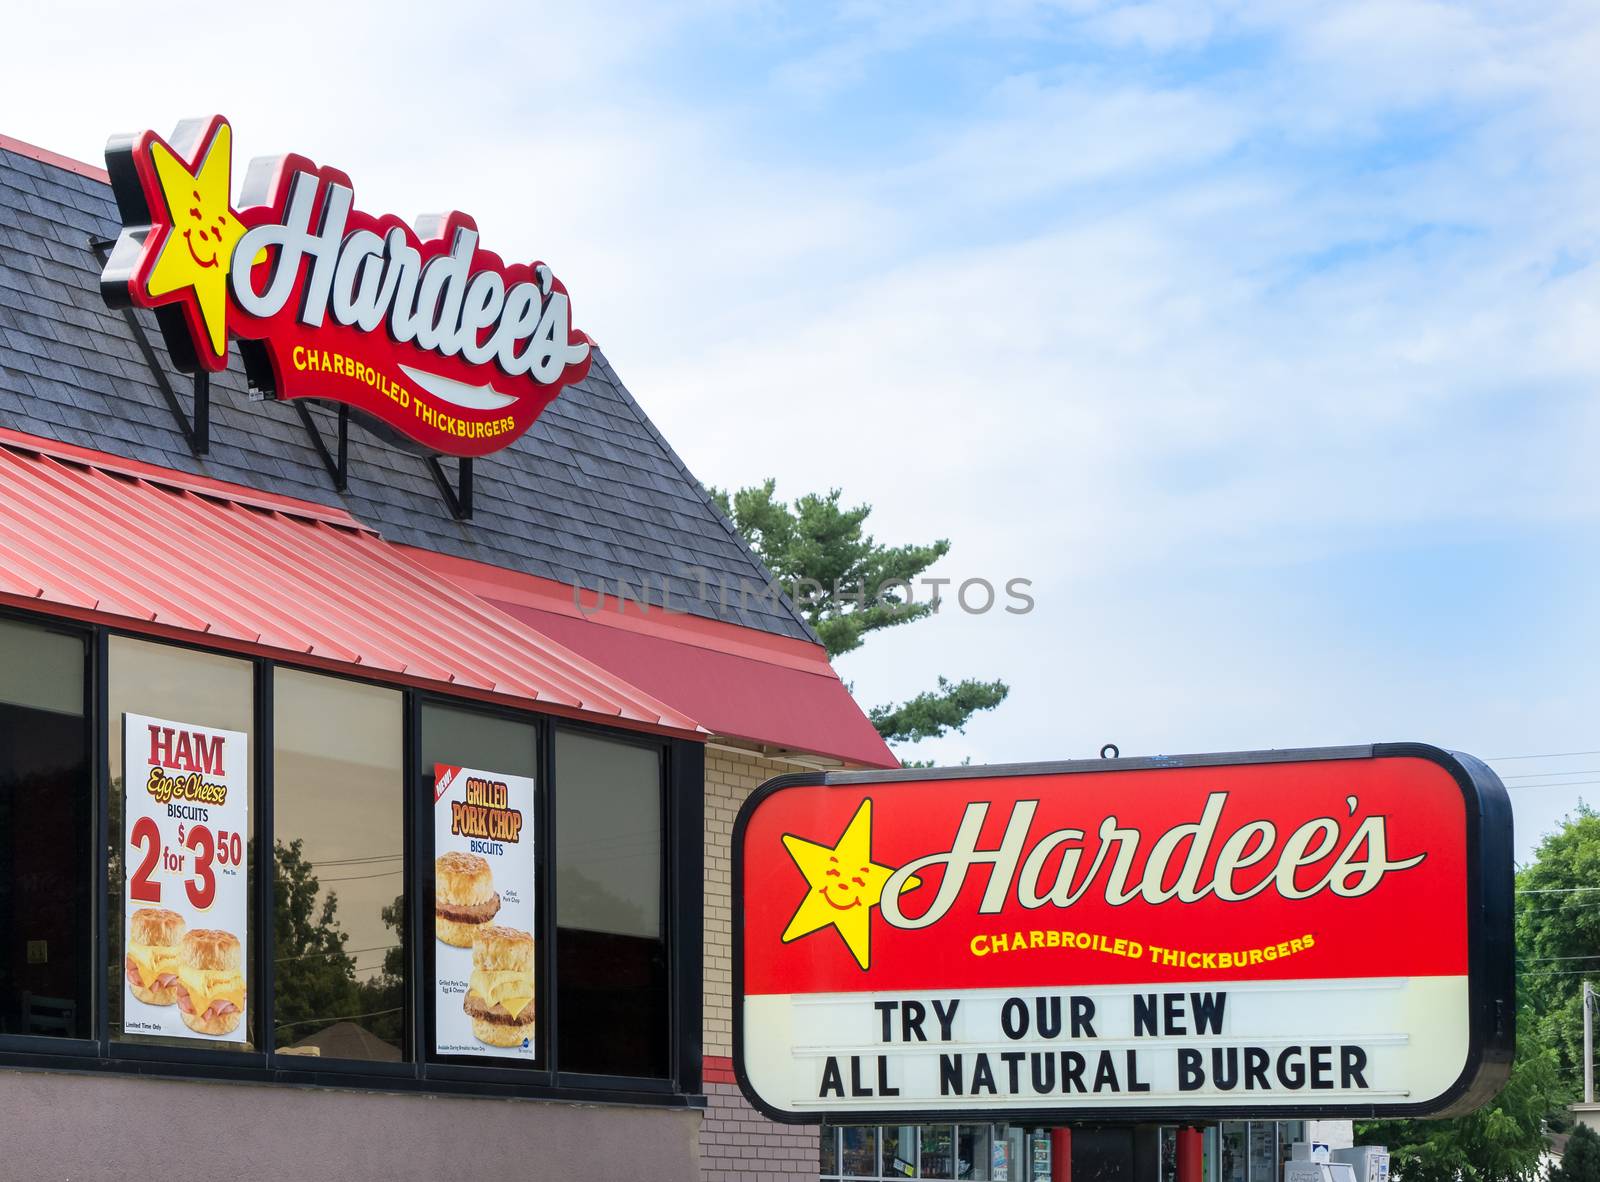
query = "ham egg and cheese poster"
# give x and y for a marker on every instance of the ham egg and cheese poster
(484, 1002)
(186, 801)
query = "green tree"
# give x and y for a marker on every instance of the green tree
(315, 978)
(1581, 1162)
(1558, 934)
(848, 585)
(383, 995)
(1501, 1142)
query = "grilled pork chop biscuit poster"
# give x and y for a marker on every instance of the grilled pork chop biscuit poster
(483, 891)
(186, 827)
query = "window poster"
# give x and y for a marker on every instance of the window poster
(483, 913)
(186, 832)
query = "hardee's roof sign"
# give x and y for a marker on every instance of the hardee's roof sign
(1315, 932)
(419, 328)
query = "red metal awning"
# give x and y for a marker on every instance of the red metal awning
(738, 683)
(93, 537)
(739, 697)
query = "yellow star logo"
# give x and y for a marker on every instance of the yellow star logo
(202, 230)
(843, 885)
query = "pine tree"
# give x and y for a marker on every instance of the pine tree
(1581, 1162)
(848, 585)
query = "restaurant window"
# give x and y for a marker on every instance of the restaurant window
(1263, 1151)
(1233, 1154)
(899, 1150)
(828, 1151)
(46, 834)
(972, 1152)
(858, 1151)
(1289, 1132)
(181, 739)
(339, 952)
(612, 962)
(480, 774)
(938, 1152)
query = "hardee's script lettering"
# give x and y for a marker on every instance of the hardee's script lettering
(366, 280)
(1248, 861)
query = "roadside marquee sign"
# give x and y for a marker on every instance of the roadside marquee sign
(1321, 932)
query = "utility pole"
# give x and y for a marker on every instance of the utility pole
(1589, 1043)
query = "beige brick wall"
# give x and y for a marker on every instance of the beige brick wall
(736, 1143)
(730, 778)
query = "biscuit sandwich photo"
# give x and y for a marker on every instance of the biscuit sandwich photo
(464, 898)
(500, 994)
(210, 990)
(152, 957)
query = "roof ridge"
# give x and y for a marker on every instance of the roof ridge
(705, 497)
(54, 159)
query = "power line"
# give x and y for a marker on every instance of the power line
(1577, 771)
(337, 1018)
(338, 952)
(357, 861)
(359, 877)
(1554, 890)
(1552, 755)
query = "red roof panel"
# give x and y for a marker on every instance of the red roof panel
(804, 710)
(94, 537)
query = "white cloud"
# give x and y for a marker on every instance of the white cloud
(1176, 335)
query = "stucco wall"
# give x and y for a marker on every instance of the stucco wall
(88, 1127)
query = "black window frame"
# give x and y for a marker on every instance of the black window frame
(683, 772)
(92, 726)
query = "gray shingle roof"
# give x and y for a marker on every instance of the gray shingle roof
(592, 493)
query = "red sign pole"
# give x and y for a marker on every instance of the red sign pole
(1191, 1162)
(1061, 1155)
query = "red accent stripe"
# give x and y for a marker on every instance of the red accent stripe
(55, 159)
(717, 1069)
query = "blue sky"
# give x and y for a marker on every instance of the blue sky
(1264, 338)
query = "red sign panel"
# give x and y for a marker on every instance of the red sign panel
(420, 329)
(986, 941)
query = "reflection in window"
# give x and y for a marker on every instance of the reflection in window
(611, 943)
(1233, 1154)
(46, 833)
(828, 1146)
(338, 854)
(1039, 1155)
(938, 1152)
(858, 1158)
(899, 1151)
(165, 681)
(972, 1152)
(1289, 1131)
(1263, 1151)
